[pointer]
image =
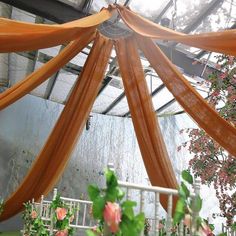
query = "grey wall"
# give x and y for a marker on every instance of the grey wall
(25, 125)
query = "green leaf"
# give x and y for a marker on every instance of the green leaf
(128, 203)
(111, 194)
(179, 210)
(212, 227)
(90, 233)
(98, 206)
(111, 179)
(185, 190)
(139, 221)
(127, 209)
(128, 228)
(93, 192)
(187, 176)
(198, 222)
(178, 216)
(120, 194)
(234, 226)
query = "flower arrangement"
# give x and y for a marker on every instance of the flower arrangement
(116, 217)
(33, 225)
(62, 217)
(211, 162)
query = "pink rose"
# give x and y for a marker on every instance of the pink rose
(61, 213)
(62, 233)
(34, 214)
(112, 216)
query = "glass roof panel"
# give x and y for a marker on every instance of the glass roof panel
(63, 86)
(221, 18)
(19, 67)
(53, 51)
(40, 90)
(120, 109)
(161, 98)
(20, 15)
(148, 8)
(79, 59)
(76, 3)
(171, 110)
(153, 82)
(4, 69)
(109, 94)
(186, 12)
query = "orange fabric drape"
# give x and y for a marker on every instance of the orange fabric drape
(206, 117)
(223, 42)
(54, 156)
(39, 76)
(19, 36)
(151, 143)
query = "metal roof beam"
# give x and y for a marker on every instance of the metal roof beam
(166, 105)
(61, 12)
(203, 14)
(53, 10)
(185, 62)
(114, 103)
(107, 79)
(164, 10)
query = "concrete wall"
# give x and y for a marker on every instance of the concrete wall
(24, 128)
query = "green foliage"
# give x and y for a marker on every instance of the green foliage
(186, 204)
(234, 226)
(93, 192)
(64, 224)
(90, 233)
(187, 176)
(130, 225)
(33, 226)
(179, 211)
(98, 206)
(183, 190)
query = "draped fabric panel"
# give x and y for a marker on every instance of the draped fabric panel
(39, 76)
(55, 154)
(151, 143)
(19, 36)
(223, 42)
(52, 160)
(192, 102)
